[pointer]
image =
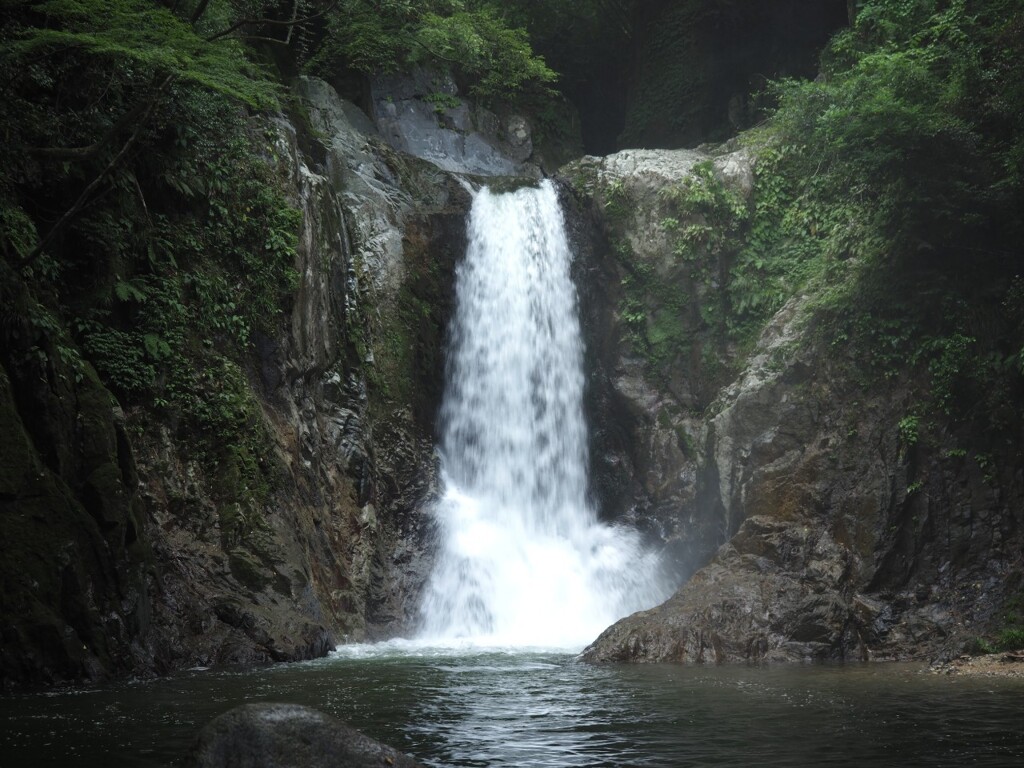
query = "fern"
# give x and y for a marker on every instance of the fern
(138, 35)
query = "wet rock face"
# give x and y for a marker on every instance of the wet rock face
(783, 586)
(275, 735)
(812, 528)
(74, 601)
(833, 553)
(645, 409)
(343, 546)
(421, 114)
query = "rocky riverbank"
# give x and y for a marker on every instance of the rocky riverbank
(1006, 664)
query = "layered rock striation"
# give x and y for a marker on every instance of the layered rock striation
(120, 553)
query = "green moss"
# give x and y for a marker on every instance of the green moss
(681, 305)
(407, 341)
(583, 178)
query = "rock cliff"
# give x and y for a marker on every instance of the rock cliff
(816, 525)
(805, 518)
(341, 550)
(121, 555)
(655, 362)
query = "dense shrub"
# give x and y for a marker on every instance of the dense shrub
(140, 208)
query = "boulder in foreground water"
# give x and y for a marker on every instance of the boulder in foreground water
(288, 736)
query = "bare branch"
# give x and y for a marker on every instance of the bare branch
(272, 22)
(197, 14)
(87, 193)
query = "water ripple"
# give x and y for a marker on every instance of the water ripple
(501, 709)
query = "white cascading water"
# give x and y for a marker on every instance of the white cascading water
(523, 559)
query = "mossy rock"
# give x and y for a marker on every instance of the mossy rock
(248, 570)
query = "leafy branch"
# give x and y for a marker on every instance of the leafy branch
(133, 39)
(91, 188)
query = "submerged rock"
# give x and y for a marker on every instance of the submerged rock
(288, 736)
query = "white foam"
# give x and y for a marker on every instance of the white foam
(524, 562)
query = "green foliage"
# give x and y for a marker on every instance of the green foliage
(1010, 640)
(894, 180)
(368, 37)
(908, 428)
(383, 36)
(17, 233)
(204, 274)
(979, 646)
(948, 357)
(714, 214)
(185, 251)
(758, 254)
(702, 218)
(618, 204)
(442, 101)
(1011, 636)
(762, 252)
(498, 58)
(221, 401)
(143, 40)
(120, 357)
(916, 119)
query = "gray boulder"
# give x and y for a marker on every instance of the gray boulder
(271, 735)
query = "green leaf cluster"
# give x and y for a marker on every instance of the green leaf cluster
(471, 38)
(897, 177)
(184, 252)
(144, 36)
(917, 115)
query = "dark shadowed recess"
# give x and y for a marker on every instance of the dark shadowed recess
(683, 72)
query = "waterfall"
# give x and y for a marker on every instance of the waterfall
(523, 559)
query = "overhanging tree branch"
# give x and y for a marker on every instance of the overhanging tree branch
(87, 193)
(294, 21)
(84, 153)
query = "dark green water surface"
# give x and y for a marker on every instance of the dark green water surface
(476, 708)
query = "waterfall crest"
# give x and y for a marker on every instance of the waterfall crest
(523, 559)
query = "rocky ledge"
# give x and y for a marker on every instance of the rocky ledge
(989, 665)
